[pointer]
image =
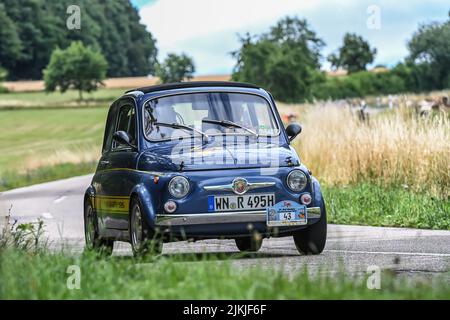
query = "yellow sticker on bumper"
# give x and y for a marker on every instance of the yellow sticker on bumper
(112, 204)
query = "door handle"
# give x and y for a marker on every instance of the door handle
(104, 162)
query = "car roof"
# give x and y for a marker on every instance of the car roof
(193, 84)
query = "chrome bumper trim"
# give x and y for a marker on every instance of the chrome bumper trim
(168, 220)
(250, 186)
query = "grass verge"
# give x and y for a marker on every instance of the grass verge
(31, 139)
(39, 99)
(394, 206)
(45, 276)
(10, 180)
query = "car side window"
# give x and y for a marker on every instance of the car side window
(126, 121)
(109, 129)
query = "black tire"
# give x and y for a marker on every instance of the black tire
(249, 244)
(94, 242)
(312, 239)
(144, 242)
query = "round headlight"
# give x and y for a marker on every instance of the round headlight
(179, 186)
(296, 180)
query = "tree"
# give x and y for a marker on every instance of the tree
(285, 60)
(10, 44)
(354, 55)
(76, 67)
(175, 68)
(3, 74)
(110, 26)
(429, 50)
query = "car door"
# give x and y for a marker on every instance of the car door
(118, 166)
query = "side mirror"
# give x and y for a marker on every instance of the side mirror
(121, 137)
(293, 130)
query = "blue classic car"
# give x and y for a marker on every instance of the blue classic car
(201, 160)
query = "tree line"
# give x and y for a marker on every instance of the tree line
(36, 43)
(286, 60)
(30, 30)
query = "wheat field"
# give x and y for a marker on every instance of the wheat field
(395, 147)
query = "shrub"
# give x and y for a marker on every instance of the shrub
(77, 67)
(175, 68)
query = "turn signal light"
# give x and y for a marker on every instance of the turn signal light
(305, 199)
(170, 206)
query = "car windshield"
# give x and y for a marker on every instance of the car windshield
(213, 113)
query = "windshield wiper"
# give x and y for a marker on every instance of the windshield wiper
(182, 127)
(228, 123)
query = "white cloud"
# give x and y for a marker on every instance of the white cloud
(174, 20)
(206, 29)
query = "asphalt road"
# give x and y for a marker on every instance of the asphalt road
(405, 251)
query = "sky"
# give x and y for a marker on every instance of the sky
(207, 30)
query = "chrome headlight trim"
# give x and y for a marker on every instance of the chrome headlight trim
(300, 176)
(178, 187)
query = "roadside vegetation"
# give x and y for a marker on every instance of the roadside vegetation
(372, 204)
(44, 276)
(48, 144)
(393, 148)
(12, 180)
(64, 275)
(393, 170)
(49, 274)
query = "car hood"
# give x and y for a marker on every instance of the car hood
(186, 157)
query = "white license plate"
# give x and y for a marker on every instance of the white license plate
(244, 202)
(287, 213)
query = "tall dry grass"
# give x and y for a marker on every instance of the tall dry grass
(396, 147)
(74, 156)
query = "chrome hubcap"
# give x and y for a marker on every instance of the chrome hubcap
(136, 228)
(89, 227)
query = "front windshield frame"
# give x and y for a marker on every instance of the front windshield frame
(270, 105)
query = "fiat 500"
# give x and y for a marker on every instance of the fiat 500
(201, 160)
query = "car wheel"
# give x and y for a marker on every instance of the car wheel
(312, 239)
(91, 233)
(249, 244)
(143, 240)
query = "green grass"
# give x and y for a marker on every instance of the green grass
(44, 276)
(29, 137)
(11, 180)
(39, 99)
(375, 205)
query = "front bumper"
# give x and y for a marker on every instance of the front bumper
(175, 220)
